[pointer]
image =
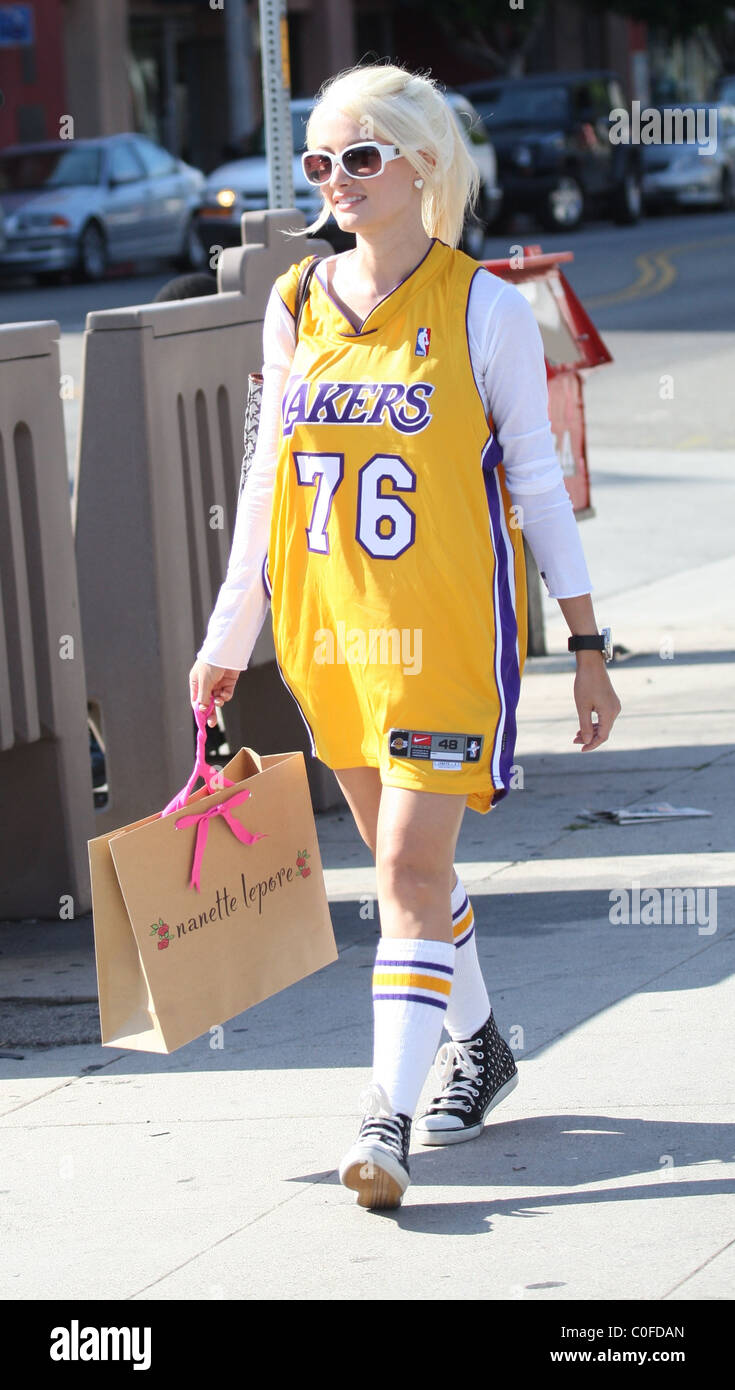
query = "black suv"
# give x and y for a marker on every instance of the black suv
(551, 138)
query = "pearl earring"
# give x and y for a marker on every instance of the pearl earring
(418, 183)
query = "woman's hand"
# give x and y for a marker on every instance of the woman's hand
(593, 691)
(206, 681)
(592, 688)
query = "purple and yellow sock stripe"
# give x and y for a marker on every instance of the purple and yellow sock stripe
(421, 981)
(463, 922)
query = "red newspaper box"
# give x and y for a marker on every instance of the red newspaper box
(571, 343)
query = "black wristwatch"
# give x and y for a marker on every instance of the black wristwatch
(600, 642)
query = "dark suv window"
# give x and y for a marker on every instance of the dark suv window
(521, 104)
(591, 100)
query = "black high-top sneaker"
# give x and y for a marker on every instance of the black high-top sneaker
(475, 1075)
(376, 1167)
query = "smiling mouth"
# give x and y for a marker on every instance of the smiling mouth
(348, 202)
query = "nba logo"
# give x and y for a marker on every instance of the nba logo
(423, 338)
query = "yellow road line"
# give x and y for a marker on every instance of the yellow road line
(655, 272)
(650, 265)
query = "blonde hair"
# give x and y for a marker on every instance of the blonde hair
(395, 106)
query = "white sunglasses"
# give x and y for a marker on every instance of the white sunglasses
(360, 161)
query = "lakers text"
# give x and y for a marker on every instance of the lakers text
(383, 646)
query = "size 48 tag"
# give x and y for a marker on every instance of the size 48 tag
(448, 750)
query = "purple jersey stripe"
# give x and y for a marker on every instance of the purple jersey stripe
(510, 679)
(298, 706)
(479, 271)
(461, 910)
(510, 671)
(415, 998)
(414, 965)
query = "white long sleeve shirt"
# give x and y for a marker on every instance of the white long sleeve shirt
(507, 357)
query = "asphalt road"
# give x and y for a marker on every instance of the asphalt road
(69, 304)
(667, 274)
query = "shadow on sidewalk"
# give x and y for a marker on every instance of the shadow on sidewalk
(554, 1151)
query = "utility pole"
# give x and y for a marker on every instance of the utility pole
(277, 102)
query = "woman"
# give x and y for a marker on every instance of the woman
(383, 517)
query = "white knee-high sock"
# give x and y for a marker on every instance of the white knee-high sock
(412, 981)
(469, 1005)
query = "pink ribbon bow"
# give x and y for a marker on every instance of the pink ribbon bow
(202, 820)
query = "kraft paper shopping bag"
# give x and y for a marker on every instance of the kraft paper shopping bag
(205, 909)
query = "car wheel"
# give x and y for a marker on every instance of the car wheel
(91, 253)
(628, 202)
(194, 255)
(563, 208)
(727, 191)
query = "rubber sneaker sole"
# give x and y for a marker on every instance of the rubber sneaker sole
(378, 1180)
(461, 1134)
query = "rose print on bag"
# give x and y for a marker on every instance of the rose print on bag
(301, 865)
(163, 932)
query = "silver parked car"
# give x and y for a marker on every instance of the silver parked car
(675, 174)
(242, 184)
(81, 205)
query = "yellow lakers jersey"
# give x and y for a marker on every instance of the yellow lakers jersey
(395, 564)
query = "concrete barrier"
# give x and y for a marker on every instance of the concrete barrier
(46, 798)
(158, 472)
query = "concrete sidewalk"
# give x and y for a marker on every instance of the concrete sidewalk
(609, 1171)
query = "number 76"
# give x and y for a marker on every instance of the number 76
(385, 525)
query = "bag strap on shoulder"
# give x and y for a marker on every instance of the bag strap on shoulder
(302, 289)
